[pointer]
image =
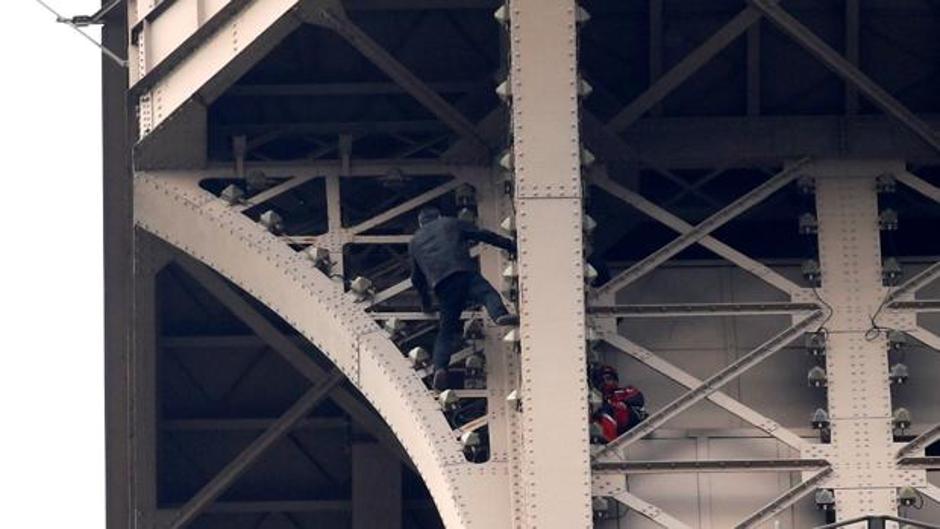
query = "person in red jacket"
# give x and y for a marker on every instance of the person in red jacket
(622, 408)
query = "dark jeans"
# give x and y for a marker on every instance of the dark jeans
(456, 293)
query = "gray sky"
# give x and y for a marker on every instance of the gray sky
(51, 383)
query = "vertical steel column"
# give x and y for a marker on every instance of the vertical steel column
(118, 271)
(143, 369)
(858, 386)
(555, 451)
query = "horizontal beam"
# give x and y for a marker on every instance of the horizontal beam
(919, 463)
(700, 309)
(687, 467)
(706, 142)
(296, 506)
(343, 89)
(236, 425)
(845, 69)
(333, 127)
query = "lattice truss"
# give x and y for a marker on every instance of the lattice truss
(322, 244)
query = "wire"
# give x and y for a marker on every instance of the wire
(829, 312)
(69, 22)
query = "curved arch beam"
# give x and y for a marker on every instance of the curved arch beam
(172, 206)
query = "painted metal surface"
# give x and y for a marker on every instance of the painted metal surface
(174, 208)
(555, 472)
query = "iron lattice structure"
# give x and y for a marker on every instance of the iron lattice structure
(282, 147)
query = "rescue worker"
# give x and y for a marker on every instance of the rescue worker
(623, 407)
(441, 263)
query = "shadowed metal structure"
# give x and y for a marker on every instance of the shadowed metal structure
(730, 201)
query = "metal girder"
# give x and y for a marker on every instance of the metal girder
(928, 338)
(920, 442)
(611, 147)
(920, 463)
(878, 522)
(412, 168)
(332, 16)
(275, 191)
(227, 425)
(704, 228)
(920, 185)
(694, 467)
(210, 58)
(176, 209)
(931, 491)
(692, 310)
(704, 142)
(554, 474)
(342, 89)
(649, 511)
(232, 471)
(732, 406)
(709, 386)
(858, 388)
(685, 69)
(785, 500)
(912, 285)
(845, 69)
(406, 206)
(756, 268)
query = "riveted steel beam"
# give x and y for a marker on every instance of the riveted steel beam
(232, 471)
(707, 387)
(554, 475)
(712, 466)
(693, 310)
(704, 228)
(845, 69)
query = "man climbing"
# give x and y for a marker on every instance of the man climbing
(441, 262)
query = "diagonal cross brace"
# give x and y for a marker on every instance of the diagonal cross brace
(290, 351)
(649, 511)
(332, 16)
(920, 442)
(785, 500)
(720, 399)
(755, 267)
(407, 206)
(707, 226)
(709, 386)
(685, 69)
(237, 467)
(845, 69)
